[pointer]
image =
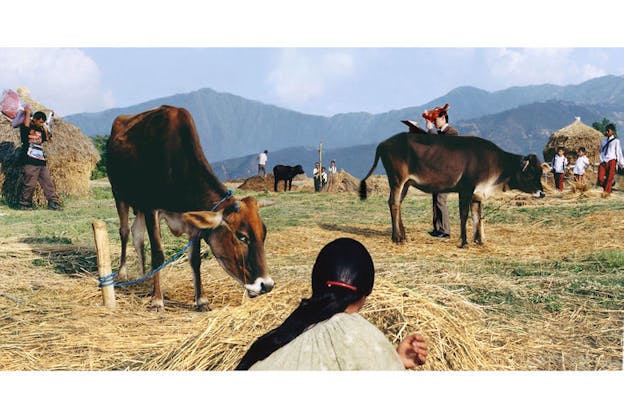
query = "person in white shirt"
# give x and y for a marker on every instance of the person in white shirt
(262, 161)
(316, 174)
(610, 156)
(559, 164)
(332, 167)
(581, 163)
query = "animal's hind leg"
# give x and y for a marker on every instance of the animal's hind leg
(138, 238)
(124, 232)
(158, 256)
(477, 220)
(394, 203)
(404, 190)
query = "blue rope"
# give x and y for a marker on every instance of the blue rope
(109, 279)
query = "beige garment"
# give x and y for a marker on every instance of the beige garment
(346, 341)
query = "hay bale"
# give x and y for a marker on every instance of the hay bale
(258, 183)
(341, 181)
(71, 158)
(571, 138)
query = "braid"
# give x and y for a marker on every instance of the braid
(344, 262)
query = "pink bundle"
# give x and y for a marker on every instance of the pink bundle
(12, 107)
(10, 104)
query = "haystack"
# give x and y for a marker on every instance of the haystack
(341, 182)
(71, 157)
(571, 138)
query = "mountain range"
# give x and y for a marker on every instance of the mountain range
(233, 130)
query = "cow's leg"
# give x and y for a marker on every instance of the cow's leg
(138, 238)
(464, 206)
(477, 220)
(290, 184)
(201, 303)
(158, 256)
(285, 185)
(275, 184)
(404, 190)
(124, 233)
(394, 202)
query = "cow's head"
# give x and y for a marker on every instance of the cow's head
(528, 176)
(431, 115)
(298, 170)
(237, 242)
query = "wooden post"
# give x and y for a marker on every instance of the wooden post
(103, 260)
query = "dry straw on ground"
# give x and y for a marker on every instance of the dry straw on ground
(71, 158)
(56, 321)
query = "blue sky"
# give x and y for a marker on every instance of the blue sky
(318, 62)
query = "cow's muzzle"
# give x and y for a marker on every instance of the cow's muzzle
(261, 286)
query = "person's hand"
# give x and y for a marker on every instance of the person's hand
(429, 125)
(413, 350)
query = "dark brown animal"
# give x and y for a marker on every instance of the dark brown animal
(286, 173)
(156, 166)
(470, 166)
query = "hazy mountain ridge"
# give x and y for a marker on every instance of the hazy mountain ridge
(519, 119)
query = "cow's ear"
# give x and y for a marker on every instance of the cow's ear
(545, 167)
(203, 220)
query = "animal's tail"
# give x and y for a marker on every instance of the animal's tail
(370, 172)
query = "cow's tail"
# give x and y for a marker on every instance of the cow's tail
(370, 172)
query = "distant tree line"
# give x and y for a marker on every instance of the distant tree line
(600, 125)
(100, 143)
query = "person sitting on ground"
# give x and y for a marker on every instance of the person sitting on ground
(326, 332)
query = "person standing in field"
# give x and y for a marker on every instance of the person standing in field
(262, 161)
(610, 157)
(33, 134)
(441, 221)
(581, 163)
(559, 164)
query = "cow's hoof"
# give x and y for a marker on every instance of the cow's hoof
(157, 305)
(202, 308)
(478, 242)
(463, 245)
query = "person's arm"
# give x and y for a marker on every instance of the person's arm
(413, 350)
(27, 115)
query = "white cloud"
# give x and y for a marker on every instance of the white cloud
(65, 80)
(527, 66)
(302, 76)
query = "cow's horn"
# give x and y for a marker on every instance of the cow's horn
(525, 163)
(265, 203)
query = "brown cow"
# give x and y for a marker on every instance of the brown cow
(471, 166)
(156, 166)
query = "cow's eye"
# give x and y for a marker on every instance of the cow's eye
(242, 237)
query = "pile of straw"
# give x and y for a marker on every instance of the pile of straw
(571, 138)
(71, 158)
(58, 323)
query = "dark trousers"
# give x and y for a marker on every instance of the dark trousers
(261, 169)
(441, 220)
(606, 173)
(559, 180)
(32, 176)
